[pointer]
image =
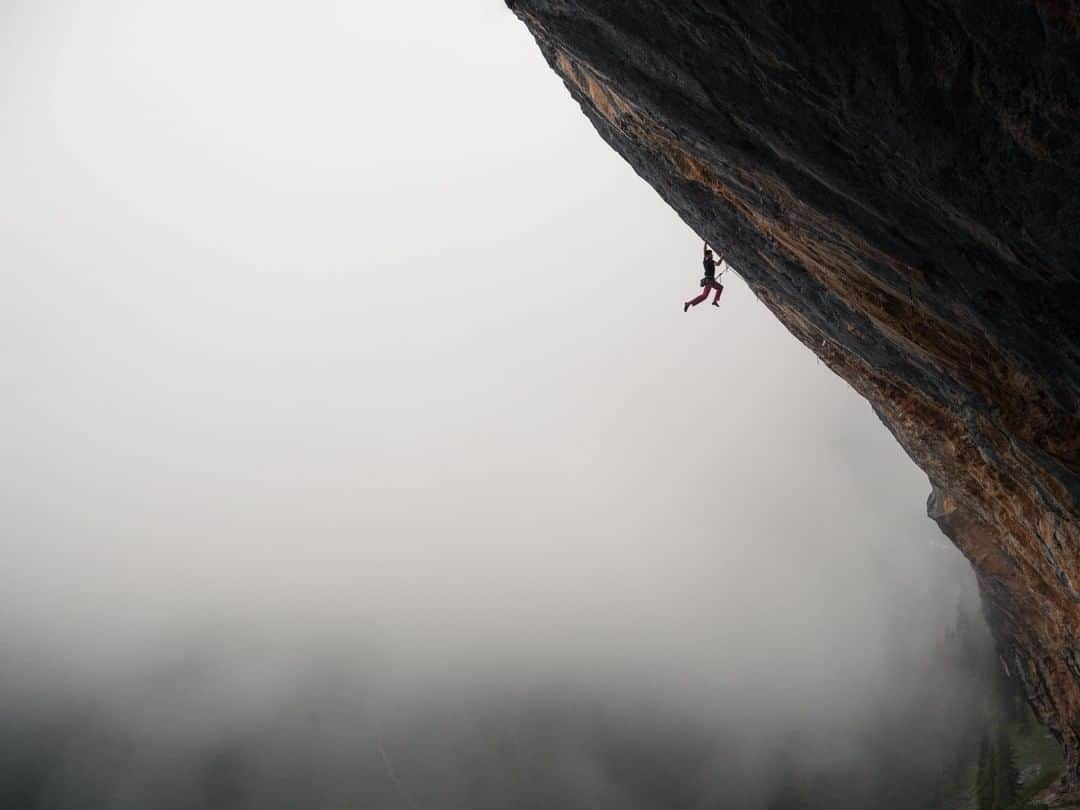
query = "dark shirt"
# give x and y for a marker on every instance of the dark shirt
(710, 268)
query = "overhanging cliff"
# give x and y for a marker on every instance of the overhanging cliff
(899, 182)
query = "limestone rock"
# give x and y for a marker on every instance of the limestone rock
(899, 183)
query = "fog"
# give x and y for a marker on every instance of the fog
(359, 452)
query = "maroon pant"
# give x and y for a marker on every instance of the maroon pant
(706, 286)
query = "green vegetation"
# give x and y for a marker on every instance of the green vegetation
(984, 776)
(997, 781)
(1005, 743)
(1006, 777)
(1033, 788)
(1019, 744)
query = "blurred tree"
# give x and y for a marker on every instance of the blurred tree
(984, 777)
(1006, 778)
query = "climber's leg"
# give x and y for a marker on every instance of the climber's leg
(693, 302)
(716, 299)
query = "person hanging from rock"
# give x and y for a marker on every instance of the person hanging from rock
(708, 283)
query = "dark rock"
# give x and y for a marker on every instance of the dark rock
(899, 182)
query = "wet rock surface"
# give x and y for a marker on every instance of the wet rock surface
(899, 183)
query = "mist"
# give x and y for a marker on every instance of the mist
(358, 450)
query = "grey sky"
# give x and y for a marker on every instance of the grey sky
(335, 320)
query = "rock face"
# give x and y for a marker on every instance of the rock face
(899, 183)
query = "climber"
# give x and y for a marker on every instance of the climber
(709, 282)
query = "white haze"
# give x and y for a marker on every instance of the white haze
(333, 333)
